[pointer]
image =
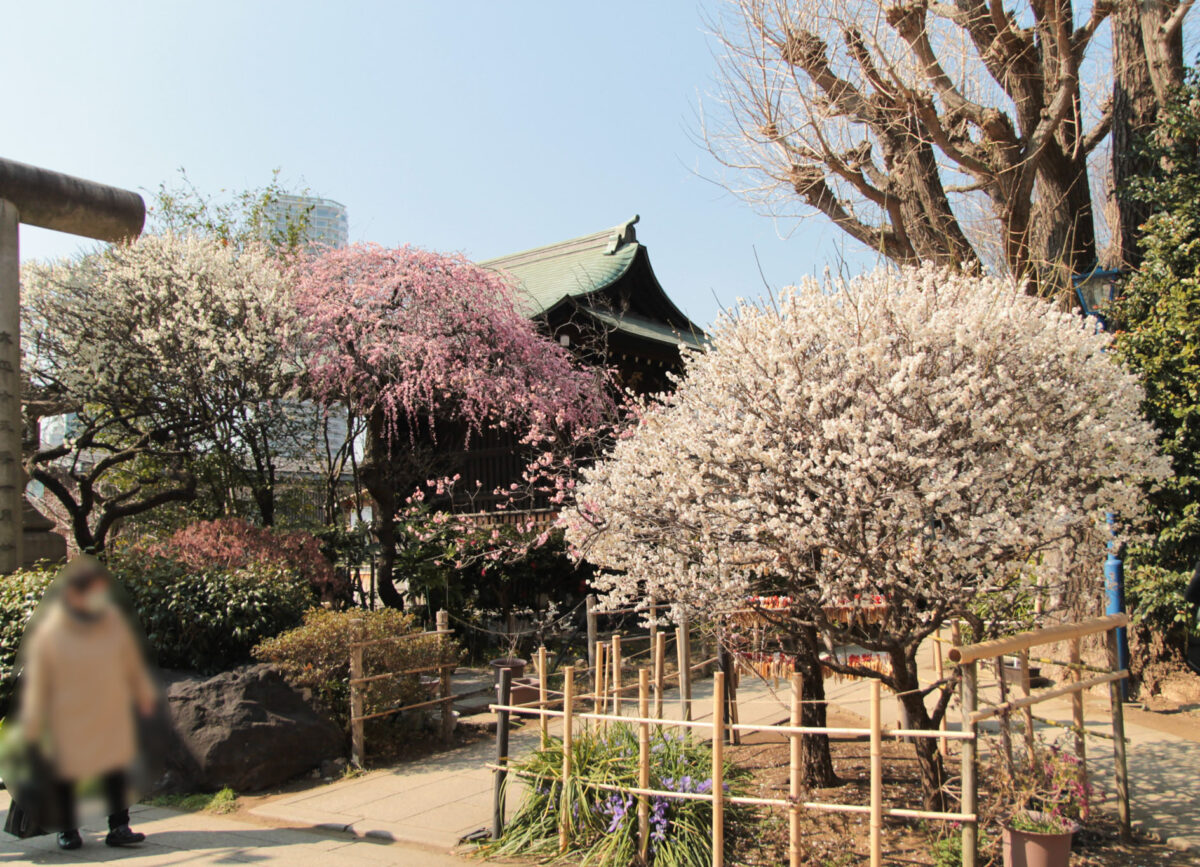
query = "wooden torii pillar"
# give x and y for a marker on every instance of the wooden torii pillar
(51, 200)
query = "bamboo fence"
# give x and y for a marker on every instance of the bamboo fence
(608, 689)
(720, 728)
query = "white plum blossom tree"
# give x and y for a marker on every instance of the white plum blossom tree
(934, 438)
(162, 350)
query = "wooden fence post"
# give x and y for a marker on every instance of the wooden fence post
(660, 650)
(1118, 730)
(939, 667)
(446, 687)
(505, 696)
(593, 660)
(718, 770)
(794, 790)
(1076, 660)
(598, 677)
(970, 701)
(728, 665)
(543, 720)
(616, 675)
(643, 762)
(1005, 719)
(1027, 714)
(356, 697)
(564, 810)
(683, 651)
(876, 777)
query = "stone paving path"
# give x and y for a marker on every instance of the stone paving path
(440, 800)
(206, 839)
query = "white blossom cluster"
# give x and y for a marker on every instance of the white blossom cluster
(921, 434)
(164, 323)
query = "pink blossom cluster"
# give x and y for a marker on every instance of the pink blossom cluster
(420, 336)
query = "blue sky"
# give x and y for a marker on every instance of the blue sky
(483, 128)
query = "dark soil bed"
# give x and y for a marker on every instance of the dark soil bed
(842, 839)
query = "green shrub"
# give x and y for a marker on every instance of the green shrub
(947, 852)
(202, 619)
(316, 656)
(20, 593)
(1157, 324)
(210, 619)
(603, 824)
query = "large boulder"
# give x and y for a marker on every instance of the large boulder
(246, 729)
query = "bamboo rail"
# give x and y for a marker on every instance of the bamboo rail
(1045, 695)
(1023, 640)
(822, 806)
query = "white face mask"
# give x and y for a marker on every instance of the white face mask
(97, 601)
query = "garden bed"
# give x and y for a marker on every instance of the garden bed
(841, 839)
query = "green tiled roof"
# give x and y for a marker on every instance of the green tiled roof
(547, 275)
(640, 326)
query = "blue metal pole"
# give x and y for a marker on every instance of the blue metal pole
(1114, 589)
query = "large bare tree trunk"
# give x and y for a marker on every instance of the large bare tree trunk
(1147, 66)
(1064, 238)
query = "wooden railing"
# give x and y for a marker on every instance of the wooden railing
(357, 680)
(970, 656)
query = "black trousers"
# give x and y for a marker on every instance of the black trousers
(115, 788)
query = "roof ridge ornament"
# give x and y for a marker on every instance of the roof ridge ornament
(622, 234)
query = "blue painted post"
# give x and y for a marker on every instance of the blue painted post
(1114, 589)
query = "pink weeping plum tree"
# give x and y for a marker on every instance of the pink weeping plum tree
(433, 352)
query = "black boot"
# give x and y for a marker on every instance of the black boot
(123, 835)
(69, 840)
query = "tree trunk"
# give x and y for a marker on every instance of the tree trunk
(385, 532)
(379, 479)
(814, 749)
(928, 222)
(264, 497)
(1163, 47)
(1064, 242)
(1135, 109)
(916, 716)
(1063, 236)
(1147, 66)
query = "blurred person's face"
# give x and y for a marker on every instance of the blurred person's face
(89, 594)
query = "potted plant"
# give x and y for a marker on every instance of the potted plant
(509, 660)
(1033, 838)
(1037, 797)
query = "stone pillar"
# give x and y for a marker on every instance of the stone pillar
(11, 493)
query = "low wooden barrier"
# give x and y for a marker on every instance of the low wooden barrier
(357, 680)
(970, 656)
(720, 727)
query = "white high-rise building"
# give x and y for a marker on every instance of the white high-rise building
(327, 221)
